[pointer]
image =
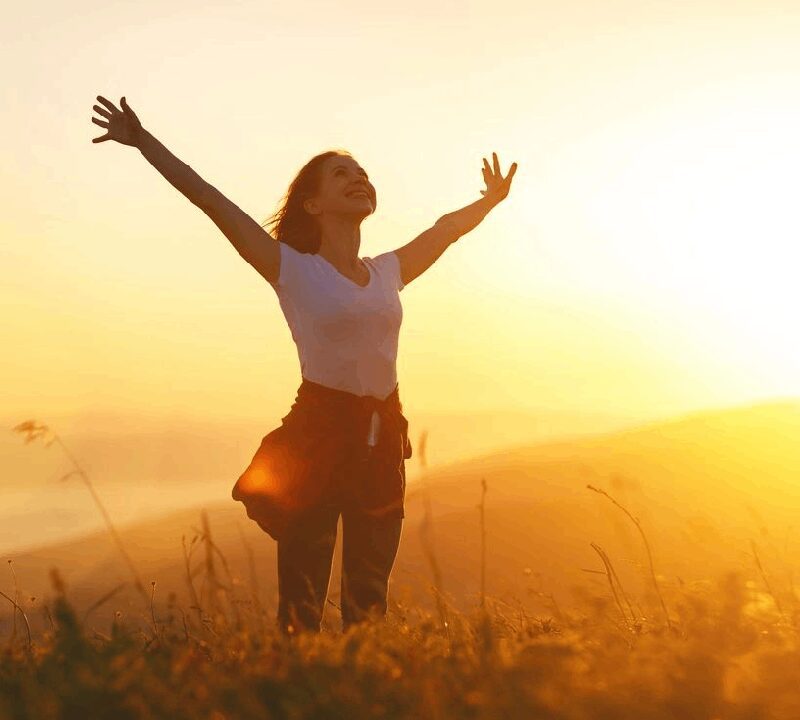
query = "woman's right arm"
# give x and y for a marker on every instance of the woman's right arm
(251, 241)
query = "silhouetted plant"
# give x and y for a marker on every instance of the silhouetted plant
(35, 431)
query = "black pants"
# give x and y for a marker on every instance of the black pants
(304, 567)
(363, 484)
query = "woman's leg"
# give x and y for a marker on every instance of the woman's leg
(304, 570)
(369, 549)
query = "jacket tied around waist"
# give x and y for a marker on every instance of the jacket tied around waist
(332, 447)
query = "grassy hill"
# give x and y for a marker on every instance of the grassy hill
(704, 487)
(573, 624)
(146, 466)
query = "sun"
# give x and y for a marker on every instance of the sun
(699, 208)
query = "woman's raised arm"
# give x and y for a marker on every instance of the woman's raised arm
(251, 241)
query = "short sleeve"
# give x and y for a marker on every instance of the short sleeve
(289, 273)
(389, 264)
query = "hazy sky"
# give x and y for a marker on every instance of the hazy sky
(645, 262)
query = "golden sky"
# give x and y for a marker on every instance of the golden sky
(645, 261)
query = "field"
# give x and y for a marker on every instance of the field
(589, 578)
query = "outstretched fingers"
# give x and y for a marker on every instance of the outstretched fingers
(494, 171)
(108, 104)
(105, 114)
(511, 172)
(496, 184)
(127, 109)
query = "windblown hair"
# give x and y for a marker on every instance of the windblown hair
(291, 223)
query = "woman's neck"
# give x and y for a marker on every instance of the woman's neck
(341, 240)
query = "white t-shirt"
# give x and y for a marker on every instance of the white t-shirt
(346, 335)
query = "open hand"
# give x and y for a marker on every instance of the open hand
(497, 186)
(123, 126)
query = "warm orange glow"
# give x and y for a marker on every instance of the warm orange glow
(643, 265)
(600, 382)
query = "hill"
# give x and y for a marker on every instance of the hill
(143, 467)
(705, 487)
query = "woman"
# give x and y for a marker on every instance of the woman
(341, 449)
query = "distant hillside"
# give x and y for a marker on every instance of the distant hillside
(703, 486)
(126, 452)
(141, 468)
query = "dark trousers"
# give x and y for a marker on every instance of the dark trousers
(369, 549)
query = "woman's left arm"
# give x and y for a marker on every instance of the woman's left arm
(418, 255)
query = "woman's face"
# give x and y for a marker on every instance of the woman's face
(345, 189)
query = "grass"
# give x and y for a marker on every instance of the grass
(725, 649)
(719, 660)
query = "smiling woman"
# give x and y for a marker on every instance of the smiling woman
(341, 449)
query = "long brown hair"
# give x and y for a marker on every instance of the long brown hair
(291, 223)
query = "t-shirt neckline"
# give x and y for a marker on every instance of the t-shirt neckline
(342, 275)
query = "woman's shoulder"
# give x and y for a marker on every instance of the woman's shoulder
(295, 265)
(387, 264)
